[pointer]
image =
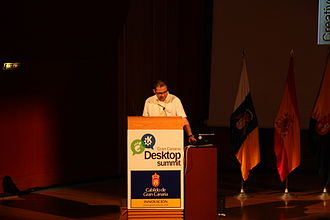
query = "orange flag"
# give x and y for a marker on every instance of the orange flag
(287, 128)
(244, 127)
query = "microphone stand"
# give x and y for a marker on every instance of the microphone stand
(164, 109)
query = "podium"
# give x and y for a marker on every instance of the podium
(155, 169)
(201, 182)
(156, 185)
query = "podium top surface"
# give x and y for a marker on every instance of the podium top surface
(156, 123)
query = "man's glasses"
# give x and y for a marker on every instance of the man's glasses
(161, 93)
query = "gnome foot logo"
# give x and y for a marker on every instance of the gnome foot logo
(137, 146)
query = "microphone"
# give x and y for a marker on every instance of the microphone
(162, 107)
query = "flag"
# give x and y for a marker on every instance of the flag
(244, 127)
(319, 126)
(287, 128)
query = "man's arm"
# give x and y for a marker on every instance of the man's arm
(145, 109)
(187, 128)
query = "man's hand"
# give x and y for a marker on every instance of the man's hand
(192, 139)
(186, 127)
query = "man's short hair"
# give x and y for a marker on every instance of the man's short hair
(158, 83)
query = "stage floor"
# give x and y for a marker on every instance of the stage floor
(266, 198)
(103, 199)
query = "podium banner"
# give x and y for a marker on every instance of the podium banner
(155, 169)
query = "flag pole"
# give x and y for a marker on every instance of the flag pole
(320, 112)
(242, 186)
(325, 195)
(242, 195)
(286, 191)
(244, 129)
(286, 195)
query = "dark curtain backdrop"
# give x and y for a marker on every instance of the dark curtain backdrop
(58, 111)
(85, 68)
(169, 40)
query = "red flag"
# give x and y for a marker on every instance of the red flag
(287, 128)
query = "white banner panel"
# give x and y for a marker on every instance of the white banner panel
(155, 169)
(323, 36)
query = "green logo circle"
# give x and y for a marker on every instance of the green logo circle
(137, 146)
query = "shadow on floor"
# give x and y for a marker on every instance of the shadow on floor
(59, 207)
(274, 210)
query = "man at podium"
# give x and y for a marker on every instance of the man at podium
(165, 104)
